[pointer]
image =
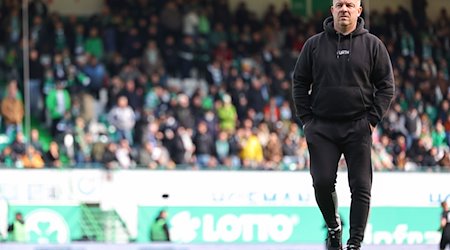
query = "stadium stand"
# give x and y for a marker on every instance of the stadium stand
(164, 85)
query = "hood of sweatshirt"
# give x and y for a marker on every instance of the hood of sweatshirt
(329, 28)
(330, 31)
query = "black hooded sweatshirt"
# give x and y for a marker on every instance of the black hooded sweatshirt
(351, 76)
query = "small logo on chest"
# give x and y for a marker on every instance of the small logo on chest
(343, 52)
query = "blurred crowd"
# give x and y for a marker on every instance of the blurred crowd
(192, 84)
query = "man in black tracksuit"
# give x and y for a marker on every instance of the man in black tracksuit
(445, 226)
(342, 86)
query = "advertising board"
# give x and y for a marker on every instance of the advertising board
(223, 206)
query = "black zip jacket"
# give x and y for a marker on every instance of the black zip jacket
(351, 76)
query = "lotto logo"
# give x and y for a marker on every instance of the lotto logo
(232, 227)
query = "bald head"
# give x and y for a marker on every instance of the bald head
(358, 2)
(345, 15)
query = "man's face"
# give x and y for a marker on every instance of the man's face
(346, 12)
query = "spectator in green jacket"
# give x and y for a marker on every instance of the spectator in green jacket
(57, 104)
(17, 231)
(159, 230)
(227, 115)
(94, 44)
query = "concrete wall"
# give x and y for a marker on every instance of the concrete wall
(434, 6)
(87, 7)
(75, 7)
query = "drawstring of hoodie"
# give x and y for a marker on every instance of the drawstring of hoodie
(350, 49)
(338, 46)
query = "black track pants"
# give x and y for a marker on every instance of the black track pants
(327, 141)
(445, 238)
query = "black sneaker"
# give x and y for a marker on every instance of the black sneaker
(352, 247)
(334, 241)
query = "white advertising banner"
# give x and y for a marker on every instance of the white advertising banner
(241, 188)
(211, 188)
